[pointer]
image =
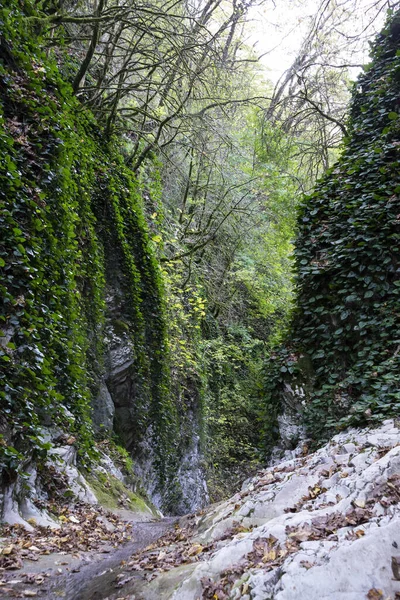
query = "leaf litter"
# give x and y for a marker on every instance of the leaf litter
(82, 528)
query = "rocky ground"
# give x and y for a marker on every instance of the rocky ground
(324, 526)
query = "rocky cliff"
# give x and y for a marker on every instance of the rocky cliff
(83, 340)
(311, 526)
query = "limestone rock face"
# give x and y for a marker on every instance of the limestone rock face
(18, 501)
(103, 410)
(192, 479)
(290, 432)
(319, 527)
(124, 405)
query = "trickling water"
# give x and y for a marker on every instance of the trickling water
(96, 580)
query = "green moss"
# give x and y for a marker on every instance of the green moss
(109, 490)
(67, 199)
(120, 326)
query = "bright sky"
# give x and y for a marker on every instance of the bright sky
(279, 30)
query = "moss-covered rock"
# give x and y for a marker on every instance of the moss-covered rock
(112, 493)
(69, 203)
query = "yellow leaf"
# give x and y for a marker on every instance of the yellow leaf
(196, 549)
(271, 555)
(359, 533)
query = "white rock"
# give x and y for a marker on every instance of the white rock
(361, 461)
(342, 459)
(344, 569)
(353, 570)
(381, 440)
(349, 448)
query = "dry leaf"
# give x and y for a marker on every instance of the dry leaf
(359, 533)
(196, 549)
(396, 567)
(307, 565)
(271, 555)
(301, 535)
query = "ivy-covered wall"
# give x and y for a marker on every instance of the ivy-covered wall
(67, 201)
(346, 326)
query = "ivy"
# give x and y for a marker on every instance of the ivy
(65, 194)
(347, 320)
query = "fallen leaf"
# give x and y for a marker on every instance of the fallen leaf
(396, 567)
(359, 533)
(269, 556)
(196, 549)
(300, 535)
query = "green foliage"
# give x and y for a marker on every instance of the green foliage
(225, 238)
(65, 197)
(47, 226)
(119, 203)
(232, 363)
(347, 320)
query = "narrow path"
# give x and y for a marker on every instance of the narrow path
(96, 581)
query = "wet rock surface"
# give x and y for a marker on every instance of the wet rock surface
(102, 576)
(80, 575)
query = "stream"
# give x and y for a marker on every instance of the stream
(97, 580)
